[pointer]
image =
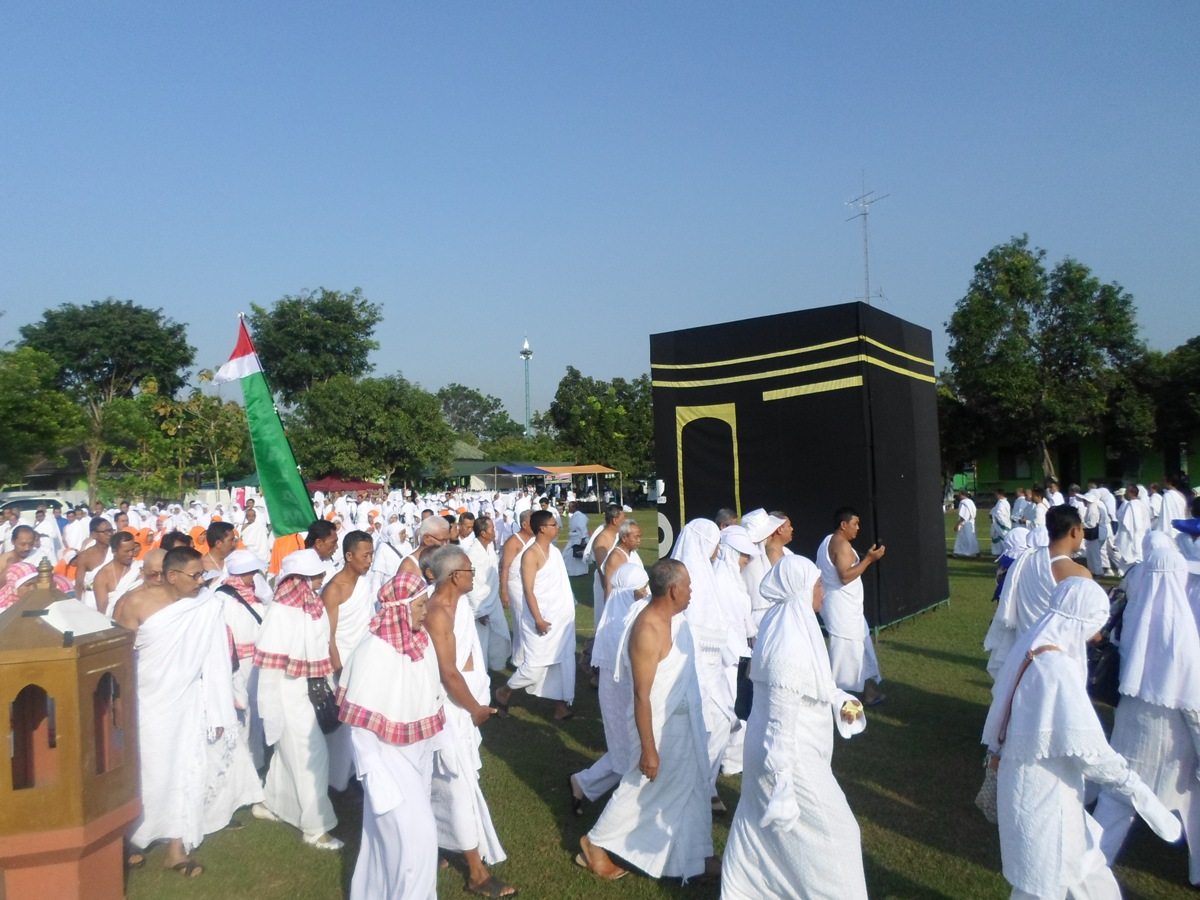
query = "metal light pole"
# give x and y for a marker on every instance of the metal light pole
(526, 355)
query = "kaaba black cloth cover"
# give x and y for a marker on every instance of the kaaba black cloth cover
(806, 412)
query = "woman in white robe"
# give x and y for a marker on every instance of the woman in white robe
(1046, 732)
(293, 646)
(793, 834)
(391, 699)
(966, 543)
(1157, 723)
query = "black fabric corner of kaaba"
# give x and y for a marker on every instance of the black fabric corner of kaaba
(826, 408)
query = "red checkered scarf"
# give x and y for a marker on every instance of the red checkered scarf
(297, 592)
(18, 571)
(393, 624)
(245, 591)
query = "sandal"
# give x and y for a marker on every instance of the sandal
(617, 871)
(189, 868)
(493, 887)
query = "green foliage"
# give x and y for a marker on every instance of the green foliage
(1040, 355)
(36, 419)
(482, 416)
(368, 428)
(305, 340)
(214, 434)
(960, 430)
(106, 351)
(1178, 393)
(608, 423)
(540, 448)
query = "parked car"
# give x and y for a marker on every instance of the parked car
(27, 506)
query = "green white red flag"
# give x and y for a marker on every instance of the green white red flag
(278, 476)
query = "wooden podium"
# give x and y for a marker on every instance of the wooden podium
(70, 788)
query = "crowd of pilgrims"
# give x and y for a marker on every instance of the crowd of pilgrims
(367, 658)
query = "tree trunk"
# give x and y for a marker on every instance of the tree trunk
(1047, 463)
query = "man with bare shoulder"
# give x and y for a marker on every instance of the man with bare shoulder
(546, 622)
(222, 540)
(512, 547)
(659, 817)
(120, 575)
(629, 538)
(24, 540)
(182, 658)
(464, 822)
(602, 544)
(851, 653)
(89, 561)
(433, 532)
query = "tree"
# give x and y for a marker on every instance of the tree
(610, 423)
(514, 448)
(305, 340)
(479, 415)
(1178, 394)
(105, 351)
(36, 419)
(1039, 356)
(373, 427)
(212, 435)
(961, 433)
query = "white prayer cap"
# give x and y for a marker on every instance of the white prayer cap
(1092, 496)
(212, 575)
(760, 524)
(302, 562)
(243, 562)
(627, 508)
(738, 538)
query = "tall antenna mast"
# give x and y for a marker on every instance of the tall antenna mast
(863, 201)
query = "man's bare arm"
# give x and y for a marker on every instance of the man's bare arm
(101, 588)
(645, 643)
(332, 597)
(612, 562)
(529, 570)
(843, 558)
(441, 632)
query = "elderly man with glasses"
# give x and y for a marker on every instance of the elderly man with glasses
(463, 820)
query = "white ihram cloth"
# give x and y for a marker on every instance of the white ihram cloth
(398, 857)
(516, 599)
(1190, 548)
(793, 833)
(547, 666)
(297, 785)
(354, 617)
(851, 653)
(1002, 524)
(616, 697)
(664, 826)
(713, 633)
(391, 700)
(1157, 724)
(1024, 599)
(494, 636)
(1049, 845)
(463, 819)
(127, 583)
(1174, 506)
(254, 536)
(966, 544)
(577, 525)
(1133, 522)
(245, 627)
(184, 695)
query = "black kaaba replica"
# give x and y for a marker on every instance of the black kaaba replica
(806, 412)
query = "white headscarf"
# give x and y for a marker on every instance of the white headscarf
(1060, 720)
(1016, 541)
(626, 581)
(1160, 644)
(697, 542)
(790, 651)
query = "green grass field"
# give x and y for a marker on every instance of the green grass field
(910, 778)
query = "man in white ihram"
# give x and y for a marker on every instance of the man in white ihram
(851, 654)
(659, 817)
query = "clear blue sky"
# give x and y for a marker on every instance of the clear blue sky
(587, 173)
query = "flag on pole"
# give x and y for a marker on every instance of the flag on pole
(278, 476)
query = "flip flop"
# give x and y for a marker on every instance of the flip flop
(189, 868)
(581, 861)
(493, 887)
(877, 701)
